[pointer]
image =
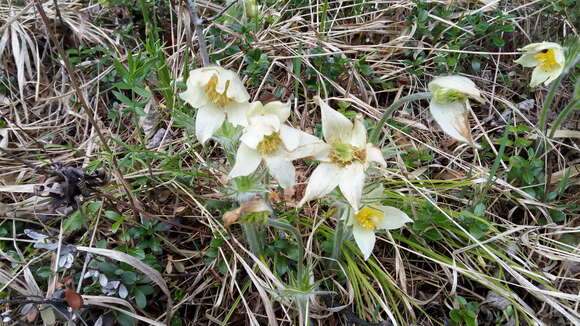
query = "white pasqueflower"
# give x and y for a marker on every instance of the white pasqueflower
(450, 95)
(370, 219)
(344, 157)
(218, 94)
(268, 139)
(548, 60)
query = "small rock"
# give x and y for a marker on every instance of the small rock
(526, 105)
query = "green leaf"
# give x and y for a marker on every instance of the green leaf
(125, 320)
(115, 227)
(43, 272)
(112, 215)
(74, 222)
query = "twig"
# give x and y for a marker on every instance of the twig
(198, 24)
(219, 14)
(88, 110)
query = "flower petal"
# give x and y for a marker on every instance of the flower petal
(235, 87)
(322, 181)
(283, 171)
(537, 47)
(237, 113)
(259, 127)
(247, 161)
(351, 182)
(393, 218)
(375, 155)
(452, 118)
(318, 151)
(195, 96)
(527, 60)
(359, 132)
(293, 138)
(207, 121)
(365, 239)
(539, 76)
(280, 109)
(458, 83)
(335, 126)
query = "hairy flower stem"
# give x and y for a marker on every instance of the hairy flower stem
(302, 304)
(389, 112)
(339, 234)
(254, 238)
(548, 104)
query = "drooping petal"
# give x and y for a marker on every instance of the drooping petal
(351, 182)
(237, 113)
(527, 60)
(375, 155)
(293, 138)
(359, 132)
(540, 76)
(365, 239)
(335, 126)
(458, 83)
(207, 121)
(452, 118)
(322, 181)
(283, 171)
(247, 161)
(393, 218)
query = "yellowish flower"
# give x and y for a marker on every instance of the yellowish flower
(548, 60)
(450, 96)
(344, 157)
(218, 94)
(373, 217)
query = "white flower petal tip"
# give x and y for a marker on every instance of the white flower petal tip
(547, 59)
(218, 91)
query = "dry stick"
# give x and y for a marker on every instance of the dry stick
(198, 24)
(88, 110)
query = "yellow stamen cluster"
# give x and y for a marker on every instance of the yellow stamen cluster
(547, 60)
(369, 217)
(345, 154)
(219, 99)
(269, 144)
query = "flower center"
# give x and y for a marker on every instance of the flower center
(269, 144)
(219, 99)
(345, 154)
(547, 60)
(369, 217)
(444, 95)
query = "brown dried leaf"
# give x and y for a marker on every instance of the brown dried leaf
(232, 216)
(73, 299)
